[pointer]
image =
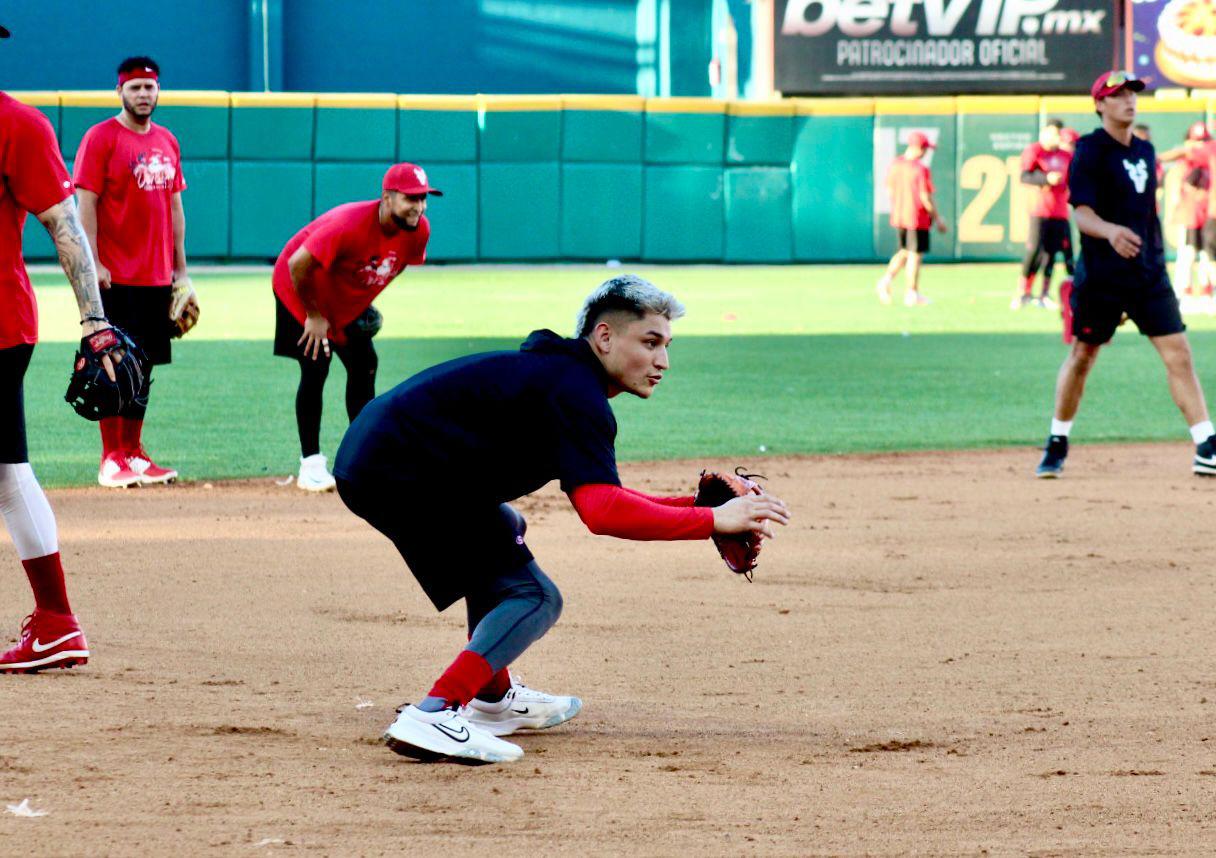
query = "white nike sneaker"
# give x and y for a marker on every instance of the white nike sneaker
(314, 476)
(445, 734)
(521, 708)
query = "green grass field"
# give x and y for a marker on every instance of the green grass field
(791, 359)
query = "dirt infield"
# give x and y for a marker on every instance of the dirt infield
(940, 655)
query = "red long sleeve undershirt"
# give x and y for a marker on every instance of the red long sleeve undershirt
(610, 510)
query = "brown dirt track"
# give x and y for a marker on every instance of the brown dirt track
(940, 655)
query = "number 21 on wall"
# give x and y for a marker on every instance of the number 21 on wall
(989, 175)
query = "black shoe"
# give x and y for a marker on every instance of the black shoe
(1056, 452)
(1205, 458)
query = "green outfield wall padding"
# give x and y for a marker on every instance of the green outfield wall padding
(992, 203)
(683, 215)
(206, 203)
(270, 202)
(428, 136)
(606, 221)
(758, 210)
(335, 184)
(453, 216)
(202, 132)
(75, 121)
(602, 135)
(831, 217)
(759, 140)
(890, 140)
(521, 135)
(356, 134)
(685, 138)
(518, 212)
(272, 133)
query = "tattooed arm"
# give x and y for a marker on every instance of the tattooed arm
(87, 201)
(62, 222)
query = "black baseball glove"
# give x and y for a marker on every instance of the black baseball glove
(366, 326)
(90, 390)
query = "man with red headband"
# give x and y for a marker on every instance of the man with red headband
(913, 212)
(325, 280)
(1113, 191)
(1045, 166)
(33, 179)
(129, 180)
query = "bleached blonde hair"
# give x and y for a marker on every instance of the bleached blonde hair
(626, 293)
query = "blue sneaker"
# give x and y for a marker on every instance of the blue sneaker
(1205, 458)
(1054, 455)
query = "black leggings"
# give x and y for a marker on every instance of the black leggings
(359, 358)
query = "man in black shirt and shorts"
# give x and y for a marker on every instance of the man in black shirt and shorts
(1113, 191)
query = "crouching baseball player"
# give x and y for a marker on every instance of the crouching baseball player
(497, 426)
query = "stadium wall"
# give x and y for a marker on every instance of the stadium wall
(593, 177)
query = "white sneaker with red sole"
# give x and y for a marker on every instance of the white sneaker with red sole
(149, 472)
(116, 473)
(47, 641)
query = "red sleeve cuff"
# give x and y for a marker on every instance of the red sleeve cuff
(614, 511)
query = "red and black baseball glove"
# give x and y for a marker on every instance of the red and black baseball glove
(739, 550)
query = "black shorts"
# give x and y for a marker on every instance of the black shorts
(451, 556)
(287, 333)
(13, 364)
(1097, 309)
(1208, 238)
(915, 240)
(1055, 236)
(143, 313)
(1194, 237)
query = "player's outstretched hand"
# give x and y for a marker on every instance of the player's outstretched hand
(316, 337)
(942, 226)
(1125, 242)
(751, 512)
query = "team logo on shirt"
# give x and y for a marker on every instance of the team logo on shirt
(154, 171)
(1138, 173)
(378, 272)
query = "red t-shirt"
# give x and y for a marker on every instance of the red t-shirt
(905, 183)
(33, 178)
(135, 177)
(357, 262)
(1051, 201)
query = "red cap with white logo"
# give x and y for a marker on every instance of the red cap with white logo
(408, 179)
(919, 140)
(1198, 131)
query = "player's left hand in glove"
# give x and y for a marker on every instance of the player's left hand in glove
(183, 307)
(743, 516)
(108, 375)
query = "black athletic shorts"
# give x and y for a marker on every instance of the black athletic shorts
(287, 333)
(1097, 309)
(1208, 238)
(1194, 237)
(13, 364)
(915, 240)
(451, 556)
(1055, 236)
(143, 313)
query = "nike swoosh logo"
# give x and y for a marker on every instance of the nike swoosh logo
(523, 711)
(461, 735)
(41, 647)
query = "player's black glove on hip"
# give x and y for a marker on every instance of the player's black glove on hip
(90, 390)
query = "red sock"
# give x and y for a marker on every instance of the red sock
(132, 434)
(1028, 285)
(111, 435)
(460, 683)
(46, 580)
(499, 684)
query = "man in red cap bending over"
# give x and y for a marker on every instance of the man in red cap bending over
(324, 283)
(913, 212)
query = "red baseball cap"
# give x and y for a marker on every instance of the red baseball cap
(1108, 83)
(1198, 131)
(919, 140)
(408, 179)
(1070, 135)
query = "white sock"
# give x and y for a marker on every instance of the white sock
(1061, 427)
(1183, 266)
(1201, 432)
(27, 514)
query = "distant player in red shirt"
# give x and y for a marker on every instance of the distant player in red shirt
(33, 178)
(913, 212)
(1045, 166)
(325, 280)
(129, 180)
(1191, 211)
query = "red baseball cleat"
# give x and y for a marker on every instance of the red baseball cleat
(149, 472)
(115, 472)
(47, 640)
